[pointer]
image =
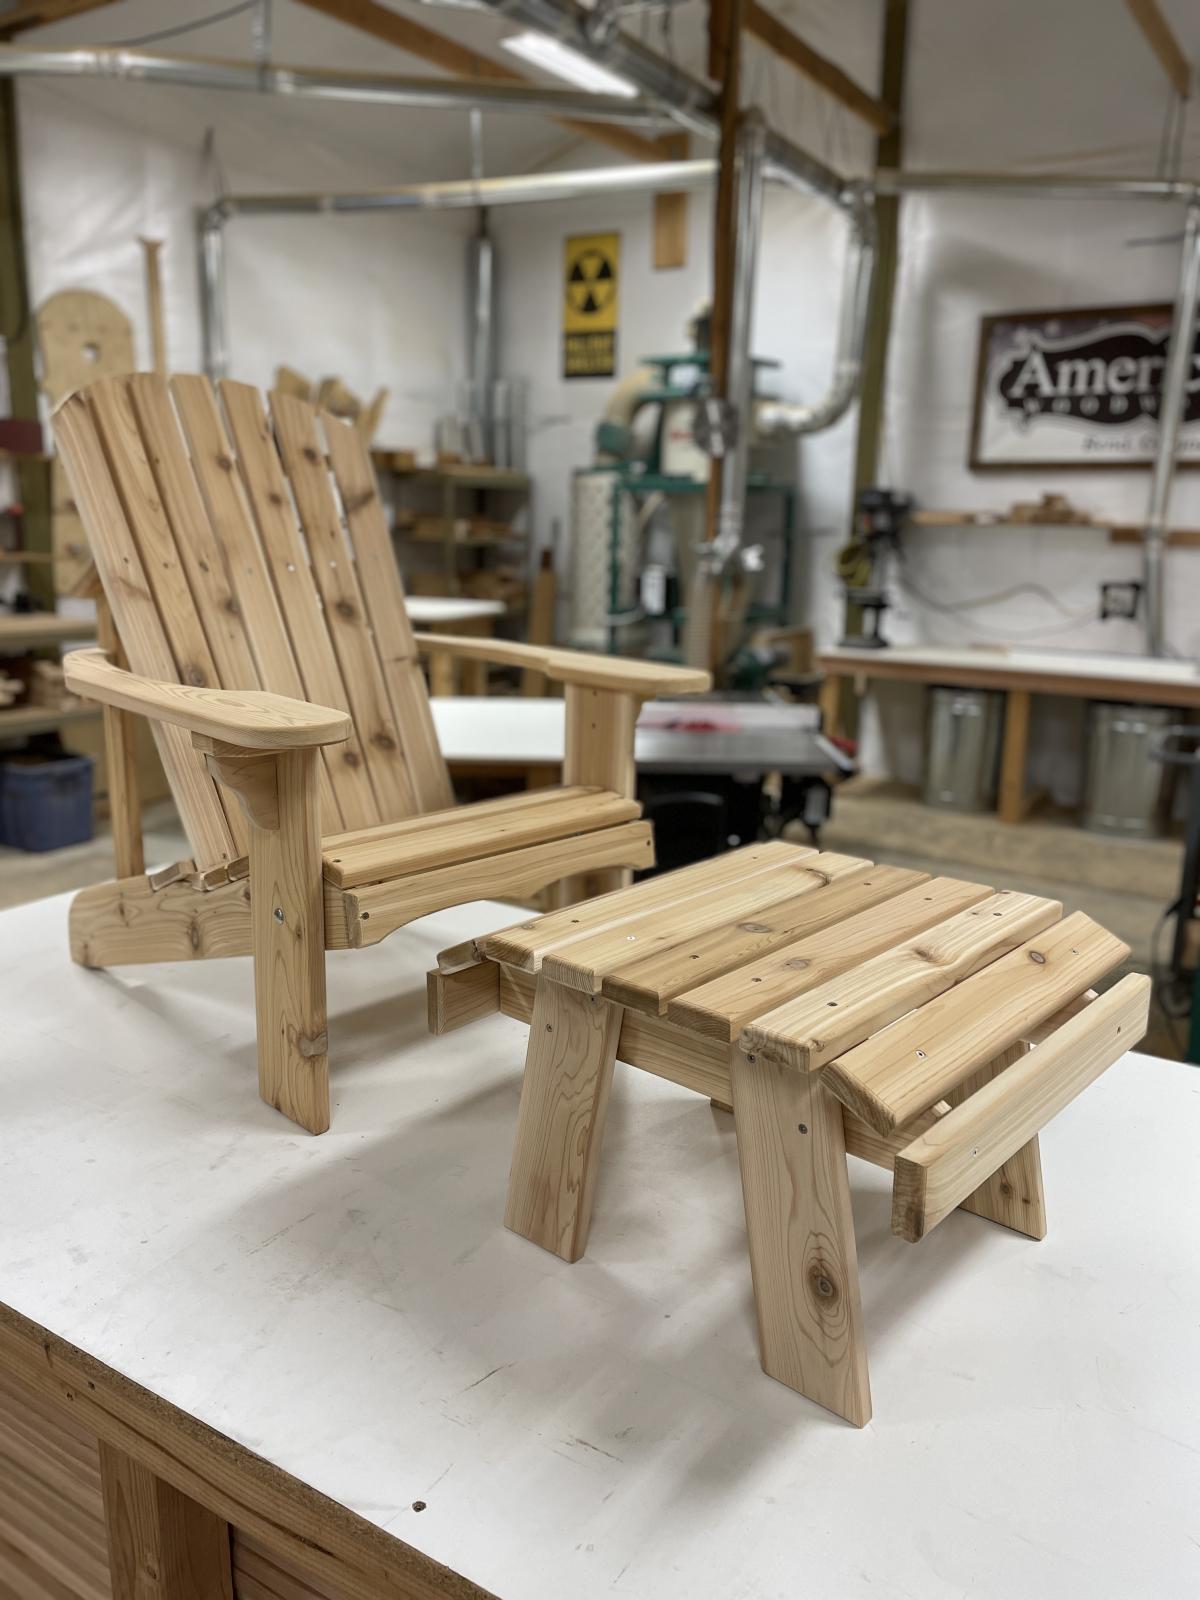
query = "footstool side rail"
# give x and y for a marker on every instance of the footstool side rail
(960, 1150)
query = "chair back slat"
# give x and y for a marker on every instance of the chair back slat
(302, 452)
(287, 561)
(204, 560)
(107, 518)
(244, 550)
(380, 582)
(206, 440)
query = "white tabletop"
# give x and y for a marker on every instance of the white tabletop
(602, 1429)
(425, 608)
(1007, 658)
(509, 729)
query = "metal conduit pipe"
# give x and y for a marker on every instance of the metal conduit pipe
(1036, 185)
(685, 99)
(308, 84)
(778, 418)
(750, 158)
(1174, 398)
(467, 193)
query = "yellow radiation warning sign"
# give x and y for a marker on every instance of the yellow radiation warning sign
(591, 263)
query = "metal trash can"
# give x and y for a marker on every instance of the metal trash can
(1124, 791)
(962, 751)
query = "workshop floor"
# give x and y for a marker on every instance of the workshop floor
(28, 876)
(1123, 884)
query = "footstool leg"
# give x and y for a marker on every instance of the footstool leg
(564, 1098)
(801, 1234)
(1013, 1196)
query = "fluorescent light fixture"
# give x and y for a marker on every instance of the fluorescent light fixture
(559, 59)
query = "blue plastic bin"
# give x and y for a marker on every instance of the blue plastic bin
(45, 801)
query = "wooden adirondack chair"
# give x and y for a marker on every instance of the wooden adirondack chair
(252, 609)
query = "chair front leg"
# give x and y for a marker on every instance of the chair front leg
(279, 793)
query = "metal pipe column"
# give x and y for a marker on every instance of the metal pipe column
(211, 263)
(1174, 397)
(739, 375)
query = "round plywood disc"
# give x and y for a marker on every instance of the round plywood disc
(82, 336)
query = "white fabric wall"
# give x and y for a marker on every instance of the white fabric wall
(377, 300)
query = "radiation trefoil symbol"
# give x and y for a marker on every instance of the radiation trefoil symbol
(591, 284)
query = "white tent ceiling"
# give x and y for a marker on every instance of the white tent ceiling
(1066, 84)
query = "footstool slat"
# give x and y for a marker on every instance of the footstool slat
(587, 963)
(935, 1172)
(893, 1076)
(823, 1024)
(721, 1008)
(648, 983)
(525, 944)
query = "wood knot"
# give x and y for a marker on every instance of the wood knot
(798, 964)
(350, 757)
(225, 463)
(383, 741)
(818, 874)
(347, 610)
(311, 454)
(356, 502)
(231, 606)
(754, 927)
(275, 498)
(196, 677)
(1037, 958)
(317, 1046)
(821, 1283)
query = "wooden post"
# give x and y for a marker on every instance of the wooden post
(17, 330)
(161, 1544)
(120, 760)
(154, 304)
(889, 152)
(279, 793)
(540, 628)
(564, 1099)
(725, 65)
(1011, 806)
(792, 1152)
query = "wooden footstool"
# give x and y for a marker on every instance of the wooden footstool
(925, 1024)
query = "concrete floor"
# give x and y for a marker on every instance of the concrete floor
(28, 876)
(1124, 884)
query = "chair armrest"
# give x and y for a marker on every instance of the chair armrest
(249, 718)
(642, 678)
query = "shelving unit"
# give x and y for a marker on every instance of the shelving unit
(23, 632)
(445, 488)
(1118, 533)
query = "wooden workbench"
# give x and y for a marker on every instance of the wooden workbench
(1019, 675)
(308, 1340)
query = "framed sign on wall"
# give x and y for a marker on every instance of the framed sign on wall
(1078, 388)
